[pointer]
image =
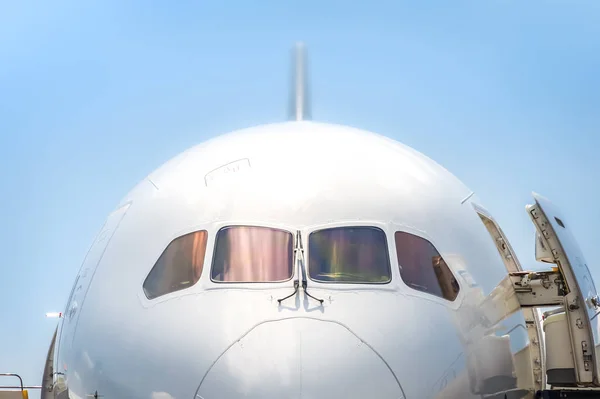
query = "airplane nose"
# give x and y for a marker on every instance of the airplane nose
(300, 358)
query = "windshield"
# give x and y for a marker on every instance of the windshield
(349, 255)
(251, 254)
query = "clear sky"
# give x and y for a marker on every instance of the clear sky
(94, 95)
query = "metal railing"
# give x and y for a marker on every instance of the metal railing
(21, 386)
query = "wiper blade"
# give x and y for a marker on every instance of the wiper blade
(301, 259)
(296, 282)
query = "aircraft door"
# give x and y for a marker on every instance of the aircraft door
(82, 284)
(513, 320)
(92, 259)
(582, 300)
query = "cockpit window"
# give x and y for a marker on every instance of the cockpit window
(252, 254)
(423, 268)
(349, 255)
(179, 266)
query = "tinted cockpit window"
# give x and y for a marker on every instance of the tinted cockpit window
(349, 255)
(179, 266)
(252, 254)
(423, 268)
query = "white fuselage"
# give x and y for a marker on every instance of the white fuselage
(233, 339)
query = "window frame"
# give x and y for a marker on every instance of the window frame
(421, 293)
(373, 225)
(261, 284)
(171, 241)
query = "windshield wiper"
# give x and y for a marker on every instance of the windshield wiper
(296, 282)
(299, 258)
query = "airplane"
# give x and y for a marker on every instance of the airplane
(311, 260)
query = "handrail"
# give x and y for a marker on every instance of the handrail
(21, 386)
(552, 312)
(13, 375)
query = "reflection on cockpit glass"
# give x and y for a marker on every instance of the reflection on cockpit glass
(252, 254)
(423, 268)
(349, 255)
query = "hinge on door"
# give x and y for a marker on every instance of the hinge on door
(587, 357)
(555, 254)
(534, 213)
(546, 288)
(573, 304)
(504, 248)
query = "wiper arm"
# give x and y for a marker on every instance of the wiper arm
(304, 280)
(299, 261)
(292, 294)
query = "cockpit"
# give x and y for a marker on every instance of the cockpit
(334, 256)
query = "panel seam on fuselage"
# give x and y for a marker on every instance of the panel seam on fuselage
(298, 317)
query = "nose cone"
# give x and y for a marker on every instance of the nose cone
(300, 358)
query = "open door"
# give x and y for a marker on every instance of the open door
(529, 360)
(557, 245)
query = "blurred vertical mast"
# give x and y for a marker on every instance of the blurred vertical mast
(299, 102)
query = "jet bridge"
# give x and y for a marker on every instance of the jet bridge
(570, 353)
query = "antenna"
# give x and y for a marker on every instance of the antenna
(300, 102)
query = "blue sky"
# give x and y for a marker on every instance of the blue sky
(95, 95)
